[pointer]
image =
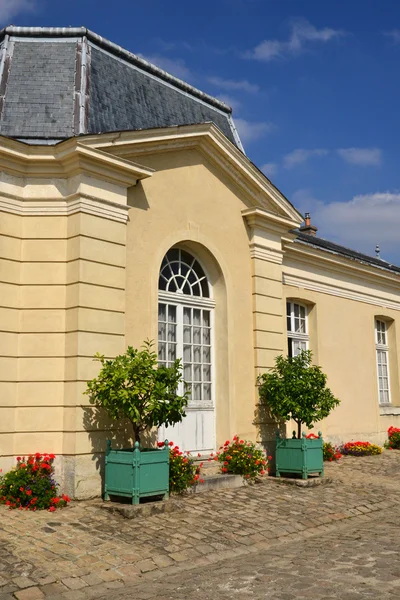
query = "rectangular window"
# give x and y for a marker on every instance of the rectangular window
(382, 361)
(297, 328)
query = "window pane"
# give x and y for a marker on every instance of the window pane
(206, 391)
(161, 331)
(187, 334)
(206, 336)
(172, 314)
(196, 335)
(206, 354)
(187, 372)
(197, 354)
(171, 352)
(196, 316)
(196, 394)
(171, 333)
(187, 316)
(162, 311)
(206, 373)
(296, 310)
(206, 318)
(196, 372)
(288, 323)
(161, 352)
(187, 354)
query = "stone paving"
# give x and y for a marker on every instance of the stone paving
(84, 552)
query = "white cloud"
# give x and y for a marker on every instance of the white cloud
(11, 8)
(360, 223)
(232, 102)
(302, 33)
(394, 35)
(269, 169)
(175, 67)
(361, 156)
(230, 84)
(301, 155)
(252, 130)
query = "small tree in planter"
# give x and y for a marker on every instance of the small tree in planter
(132, 386)
(296, 389)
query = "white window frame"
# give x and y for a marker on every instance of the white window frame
(181, 301)
(382, 347)
(293, 335)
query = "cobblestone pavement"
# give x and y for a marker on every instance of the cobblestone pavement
(252, 541)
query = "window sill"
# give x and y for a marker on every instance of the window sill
(389, 410)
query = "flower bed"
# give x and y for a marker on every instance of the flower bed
(240, 457)
(360, 449)
(31, 485)
(393, 442)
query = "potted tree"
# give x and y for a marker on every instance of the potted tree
(296, 389)
(132, 386)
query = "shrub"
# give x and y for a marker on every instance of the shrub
(393, 442)
(132, 386)
(331, 453)
(296, 389)
(31, 485)
(360, 449)
(242, 458)
(183, 473)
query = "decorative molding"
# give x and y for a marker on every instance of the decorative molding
(173, 298)
(265, 253)
(389, 410)
(65, 207)
(332, 290)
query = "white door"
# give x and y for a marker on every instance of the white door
(185, 326)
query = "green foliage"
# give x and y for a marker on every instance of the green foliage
(31, 485)
(134, 387)
(242, 458)
(296, 389)
(183, 473)
(331, 453)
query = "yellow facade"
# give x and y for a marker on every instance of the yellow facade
(84, 227)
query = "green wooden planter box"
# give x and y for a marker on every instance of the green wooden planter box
(299, 456)
(134, 473)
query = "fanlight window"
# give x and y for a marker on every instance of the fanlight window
(181, 273)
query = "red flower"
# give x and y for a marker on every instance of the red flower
(160, 444)
(38, 455)
(171, 444)
(241, 441)
(8, 503)
(224, 470)
(21, 489)
(198, 454)
(28, 492)
(18, 458)
(52, 456)
(51, 509)
(66, 498)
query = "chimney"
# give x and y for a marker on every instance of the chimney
(307, 227)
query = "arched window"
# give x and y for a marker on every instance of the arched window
(185, 323)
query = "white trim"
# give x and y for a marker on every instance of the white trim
(195, 301)
(292, 334)
(384, 348)
(324, 288)
(265, 253)
(389, 410)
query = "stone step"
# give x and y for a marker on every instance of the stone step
(218, 481)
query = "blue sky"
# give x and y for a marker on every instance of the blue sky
(315, 88)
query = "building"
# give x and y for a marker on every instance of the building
(130, 211)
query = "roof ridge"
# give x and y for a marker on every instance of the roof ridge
(119, 51)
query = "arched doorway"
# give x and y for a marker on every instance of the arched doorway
(185, 331)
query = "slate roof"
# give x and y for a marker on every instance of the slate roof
(56, 83)
(321, 244)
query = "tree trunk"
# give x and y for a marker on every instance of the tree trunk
(298, 429)
(136, 432)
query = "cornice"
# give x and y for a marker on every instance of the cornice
(340, 264)
(269, 221)
(72, 204)
(335, 290)
(67, 159)
(266, 253)
(213, 143)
